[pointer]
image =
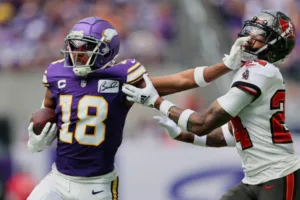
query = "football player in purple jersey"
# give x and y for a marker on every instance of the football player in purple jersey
(85, 89)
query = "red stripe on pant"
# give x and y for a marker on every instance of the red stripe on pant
(290, 183)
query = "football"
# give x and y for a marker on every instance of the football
(41, 117)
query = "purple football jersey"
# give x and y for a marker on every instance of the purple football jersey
(91, 115)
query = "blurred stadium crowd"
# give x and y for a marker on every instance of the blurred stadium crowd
(32, 33)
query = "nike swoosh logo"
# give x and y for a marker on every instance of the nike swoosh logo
(267, 187)
(96, 192)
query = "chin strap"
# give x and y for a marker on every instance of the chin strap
(82, 71)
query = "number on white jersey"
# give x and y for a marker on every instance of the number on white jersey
(241, 134)
(279, 130)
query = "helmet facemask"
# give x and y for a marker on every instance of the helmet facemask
(81, 52)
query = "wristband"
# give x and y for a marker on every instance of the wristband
(199, 77)
(165, 107)
(184, 118)
(200, 141)
(230, 140)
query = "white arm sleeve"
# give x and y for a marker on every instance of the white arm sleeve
(235, 100)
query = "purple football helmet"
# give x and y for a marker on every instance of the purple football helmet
(92, 38)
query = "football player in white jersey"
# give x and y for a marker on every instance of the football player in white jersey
(252, 110)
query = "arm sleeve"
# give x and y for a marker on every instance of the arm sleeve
(45, 79)
(254, 80)
(235, 100)
(50, 78)
(135, 72)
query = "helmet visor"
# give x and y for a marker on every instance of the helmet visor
(79, 45)
(255, 32)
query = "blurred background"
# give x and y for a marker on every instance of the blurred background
(167, 37)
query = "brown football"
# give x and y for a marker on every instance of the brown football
(41, 117)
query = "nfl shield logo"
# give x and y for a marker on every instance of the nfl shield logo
(83, 83)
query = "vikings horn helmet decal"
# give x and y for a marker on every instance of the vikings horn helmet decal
(92, 44)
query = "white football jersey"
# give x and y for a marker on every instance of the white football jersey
(263, 140)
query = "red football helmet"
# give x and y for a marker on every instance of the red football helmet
(278, 32)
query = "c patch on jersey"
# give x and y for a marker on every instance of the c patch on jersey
(108, 86)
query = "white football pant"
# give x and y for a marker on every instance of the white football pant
(57, 186)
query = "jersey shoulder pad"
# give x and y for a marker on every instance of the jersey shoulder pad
(261, 67)
(134, 70)
(49, 74)
(254, 77)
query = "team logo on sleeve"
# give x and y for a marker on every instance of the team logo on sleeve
(108, 86)
(245, 75)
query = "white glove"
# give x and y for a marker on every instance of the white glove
(145, 96)
(233, 60)
(37, 143)
(171, 127)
